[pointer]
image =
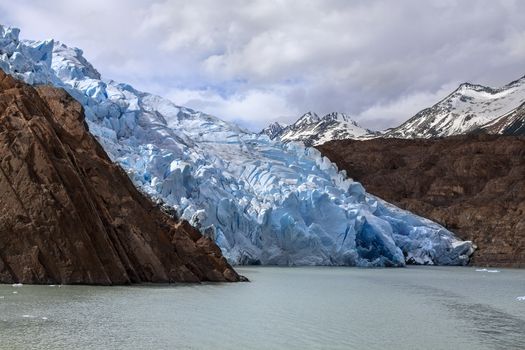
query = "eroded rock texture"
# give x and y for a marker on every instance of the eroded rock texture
(69, 215)
(473, 185)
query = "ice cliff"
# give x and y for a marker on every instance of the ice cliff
(263, 202)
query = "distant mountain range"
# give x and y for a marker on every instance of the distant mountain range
(314, 130)
(469, 109)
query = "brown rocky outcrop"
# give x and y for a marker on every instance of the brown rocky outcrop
(69, 215)
(473, 185)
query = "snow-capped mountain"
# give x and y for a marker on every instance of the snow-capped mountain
(262, 201)
(314, 130)
(273, 130)
(468, 109)
(512, 123)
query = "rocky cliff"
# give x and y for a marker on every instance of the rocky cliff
(473, 185)
(69, 215)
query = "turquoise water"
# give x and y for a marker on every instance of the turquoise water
(282, 308)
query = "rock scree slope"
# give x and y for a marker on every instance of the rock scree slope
(473, 185)
(69, 215)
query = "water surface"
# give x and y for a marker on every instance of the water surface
(282, 308)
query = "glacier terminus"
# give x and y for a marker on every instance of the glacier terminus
(262, 201)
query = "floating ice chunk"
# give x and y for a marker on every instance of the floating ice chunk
(520, 298)
(487, 270)
(17, 285)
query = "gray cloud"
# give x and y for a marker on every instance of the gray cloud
(259, 61)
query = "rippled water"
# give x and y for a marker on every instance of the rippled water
(282, 308)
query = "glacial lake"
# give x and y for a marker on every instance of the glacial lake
(282, 308)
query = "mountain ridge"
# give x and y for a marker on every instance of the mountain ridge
(457, 113)
(314, 130)
(469, 108)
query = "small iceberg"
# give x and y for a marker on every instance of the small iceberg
(17, 285)
(520, 298)
(486, 270)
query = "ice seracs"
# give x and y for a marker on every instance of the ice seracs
(263, 201)
(314, 130)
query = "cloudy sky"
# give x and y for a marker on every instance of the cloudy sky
(259, 61)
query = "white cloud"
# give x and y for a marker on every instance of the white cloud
(247, 61)
(381, 116)
(253, 109)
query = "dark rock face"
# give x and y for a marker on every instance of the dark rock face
(473, 185)
(69, 215)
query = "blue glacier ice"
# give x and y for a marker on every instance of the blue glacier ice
(263, 202)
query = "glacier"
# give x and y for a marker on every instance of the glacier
(262, 201)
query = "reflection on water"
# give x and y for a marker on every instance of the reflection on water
(282, 308)
(500, 329)
(497, 328)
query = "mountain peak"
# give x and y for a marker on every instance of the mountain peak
(463, 87)
(314, 130)
(465, 110)
(273, 129)
(340, 117)
(307, 119)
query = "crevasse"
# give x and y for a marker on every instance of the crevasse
(263, 202)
